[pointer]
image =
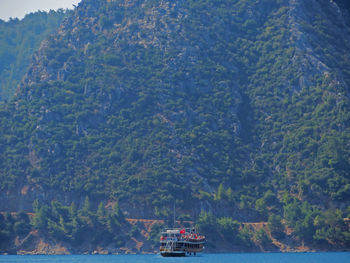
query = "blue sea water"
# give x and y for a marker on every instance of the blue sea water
(203, 258)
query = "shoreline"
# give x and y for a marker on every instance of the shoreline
(105, 253)
(204, 253)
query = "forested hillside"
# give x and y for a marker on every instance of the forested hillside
(18, 40)
(228, 110)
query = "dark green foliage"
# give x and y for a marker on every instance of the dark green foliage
(275, 226)
(262, 238)
(245, 237)
(228, 228)
(66, 223)
(5, 228)
(224, 228)
(18, 41)
(154, 235)
(315, 226)
(331, 228)
(22, 225)
(300, 216)
(207, 223)
(236, 107)
(12, 226)
(268, 203)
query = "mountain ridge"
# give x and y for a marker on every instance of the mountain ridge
(19, 39)
(232, 109)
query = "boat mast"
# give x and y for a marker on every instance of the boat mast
(174, 214)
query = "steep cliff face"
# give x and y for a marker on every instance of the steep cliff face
(18, 40)
(305, 140)
(130, 57)
(207, 105)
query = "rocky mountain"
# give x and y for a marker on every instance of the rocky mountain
(237, 109)
(18, 40)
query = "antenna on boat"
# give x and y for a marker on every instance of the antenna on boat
(174, 214)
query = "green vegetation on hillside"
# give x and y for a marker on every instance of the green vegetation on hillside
(309, 225)
(11, 226)
(18, 41)
(232, 111)
(67, 224)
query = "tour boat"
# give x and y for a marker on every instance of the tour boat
(179, 242)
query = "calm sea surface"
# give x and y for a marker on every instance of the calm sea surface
(204, 258)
